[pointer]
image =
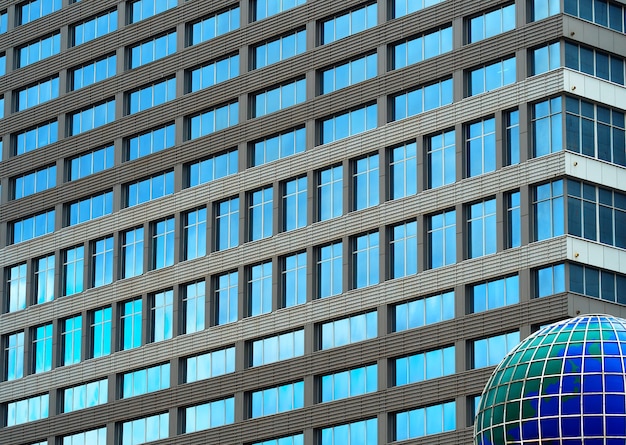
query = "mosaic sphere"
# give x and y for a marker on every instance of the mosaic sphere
(563, 385)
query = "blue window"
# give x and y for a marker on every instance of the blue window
(351, 383)
(480, 144)
(147, 429)
(132, 252)
(73, 270)
(330, 270)
(404, 7)
(209, 415)
(550, 280)
(214, 25)
(365, 260)
(547, 127)
(92, 117)
(294, 204)
(424, 311)
(27, 410)
(86, 395)
(71, 340)
(144, 381)
(130, 319)
(423, 47)
(16, 287)
(492, 76)
(441, 159)
(349, 73)
(426, 421)
(293, 285)
(93, 72)
(490, 351)
(512, 138)
(545, 58)
(513, 220)
(37, 94)
(330, 193)
(153, 49)
(596, 131)
(403, 245)
(277, 400)
(442, 239)
(349, 23)
(161, 315)
(403, 170)
(482, 228)
(268, 8)
(42, 348)
(425, 365)
(44, 279)
(32, 226)
(151, 141)
(93, 28)
(35, 182)
(280, 48)
(92, 437)
(39, 50)
(283, 96)
(227, 224)
(3, 64)
(298, 439)
(596, 283)
(542, 8)
(213, 73)
(422, 99)
(194, 233)
(210, 364)
(142, 9)
(260, 212)
(348, 124)
(212, 168)
(151, 96)
(102, 262)
(548, 209)
(363, 432)
(92, 162)
(278, 347)
(90, 208)
(151, 188)
(194, 299)
(100, 332)
(279, 146)
(349, 330)
(495, 293)
(595, 63)
(366, 182)
(492, 23)
(608, 14)
(14, 356)
(3, 22)
(163, 246)
(260, 289)
(213, 120)
(226, 297)
(36, 137)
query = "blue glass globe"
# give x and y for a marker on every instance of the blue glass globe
(563, 385)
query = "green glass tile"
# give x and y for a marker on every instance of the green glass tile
(535, 341)
(498, 414)
(515, 390)
(577, 336)
(498, 435)
(593, 335)
(550, 385)
(512, 411)
(520, 371)
(490, 396)
(558, 350)
(501, 394)
(531, 388)
(487, 418)
(593, 349)
(529, 408)
(608, 334)
(542, 352)
(548, 339)
(536, 369)
(528, 355)
(515, 358)
(553, 367)
(507, 374)
(563, 337)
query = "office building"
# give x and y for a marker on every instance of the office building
(297, 222)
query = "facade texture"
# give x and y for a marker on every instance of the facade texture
(289, 222)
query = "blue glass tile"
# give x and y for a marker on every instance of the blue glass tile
(614, 383)
(611, 348)
(571, 384)
(612, 364)
(593, 364)
(570, 405)
(592, 383)
(615, 404)
(549, 406)
(550, 428)
(570, 426)
(616, 426)
(593, 426)
(592, 403)
(573, 365)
